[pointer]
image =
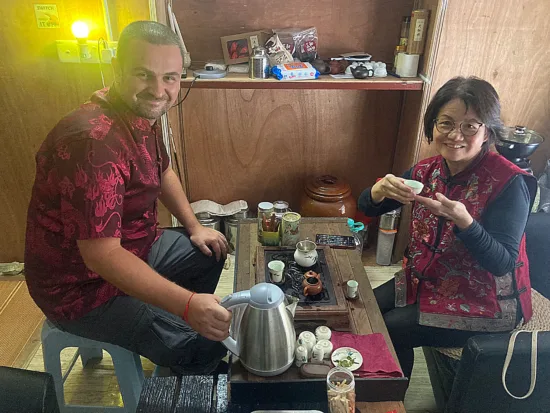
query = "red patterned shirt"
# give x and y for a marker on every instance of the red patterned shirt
(97, 176)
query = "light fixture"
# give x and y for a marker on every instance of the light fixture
(81, 32)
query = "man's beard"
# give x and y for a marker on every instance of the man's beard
(141, 108)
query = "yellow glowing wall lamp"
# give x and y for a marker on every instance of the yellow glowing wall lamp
(83, 50)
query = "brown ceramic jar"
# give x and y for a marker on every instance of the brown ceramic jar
(327, 196)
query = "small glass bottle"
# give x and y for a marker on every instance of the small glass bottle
(340, 391)
(405, 26)
(356, 229)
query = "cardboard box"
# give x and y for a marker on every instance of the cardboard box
(238, 48)
(418, 31)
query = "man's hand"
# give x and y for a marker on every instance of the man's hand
(208, 318)
(444, 207)
(204, 237)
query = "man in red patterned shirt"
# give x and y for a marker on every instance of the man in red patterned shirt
(95, 261)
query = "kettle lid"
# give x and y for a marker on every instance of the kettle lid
(265, 296)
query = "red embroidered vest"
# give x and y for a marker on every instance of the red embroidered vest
(452, 289)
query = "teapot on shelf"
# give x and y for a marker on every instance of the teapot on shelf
(264, 332)
(361, 72)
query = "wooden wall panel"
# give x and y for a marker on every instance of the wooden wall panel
(262, 144)
(37, 90)
(499, 40)
(343, 26)
(437, 10)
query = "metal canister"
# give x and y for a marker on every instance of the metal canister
(264, 209)
(231, 224)
(209, 221)
(290, 229)
(280, 208)
(259, 64)
(387, 231)
(390, 220)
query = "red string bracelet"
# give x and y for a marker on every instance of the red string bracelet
(185, 313)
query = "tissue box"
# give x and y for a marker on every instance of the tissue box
(238, 48)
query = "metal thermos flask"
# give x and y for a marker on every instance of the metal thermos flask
(259, 64)
(386, 237)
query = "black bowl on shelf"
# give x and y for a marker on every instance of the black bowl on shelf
(515, 150)
(519, 144)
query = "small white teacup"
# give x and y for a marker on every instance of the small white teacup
(323, 333)
(352, 286)
(416, 186)
(300, 355)
(307, 339)
(276, 269)
(318, 353)
(327, 347)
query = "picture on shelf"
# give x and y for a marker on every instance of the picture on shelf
(237, 48)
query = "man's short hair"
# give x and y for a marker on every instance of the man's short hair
(149, 31)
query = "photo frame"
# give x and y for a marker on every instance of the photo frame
(238, 48)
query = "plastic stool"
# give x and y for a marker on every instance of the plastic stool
(128, 368)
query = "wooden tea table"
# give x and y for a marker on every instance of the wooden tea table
(218, 393)
(364, 316)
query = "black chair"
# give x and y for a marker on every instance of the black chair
(473, 384)
(26, 391)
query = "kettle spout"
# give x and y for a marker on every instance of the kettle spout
(291, 303)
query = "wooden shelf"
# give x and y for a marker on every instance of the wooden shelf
(242, 81)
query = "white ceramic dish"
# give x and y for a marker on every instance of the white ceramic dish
(347, 357)
(415, 185)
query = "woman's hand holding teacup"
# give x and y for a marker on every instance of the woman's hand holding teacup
(444, 207)
(392, 187)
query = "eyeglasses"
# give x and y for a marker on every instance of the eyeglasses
(467, 128)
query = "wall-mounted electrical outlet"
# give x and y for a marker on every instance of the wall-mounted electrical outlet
(69, 51)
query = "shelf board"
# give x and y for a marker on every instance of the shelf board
(242, 81)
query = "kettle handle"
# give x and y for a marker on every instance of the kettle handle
(228, 302)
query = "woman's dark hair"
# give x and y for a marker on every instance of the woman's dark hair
(149, 31)
(476, 94)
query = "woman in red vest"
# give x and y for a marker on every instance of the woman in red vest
(466, 269)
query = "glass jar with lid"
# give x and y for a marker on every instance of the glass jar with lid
(265, 209)
(340, 390)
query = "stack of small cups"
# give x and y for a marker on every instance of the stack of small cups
(313, 347)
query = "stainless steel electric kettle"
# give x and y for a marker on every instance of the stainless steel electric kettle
(265, 337)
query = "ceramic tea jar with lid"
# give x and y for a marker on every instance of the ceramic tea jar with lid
(327, 196)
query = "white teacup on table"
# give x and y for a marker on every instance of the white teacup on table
(416, 186)
(327, 347)
(276, 269)
(323, 333)
(351, 290)
(308, 340)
